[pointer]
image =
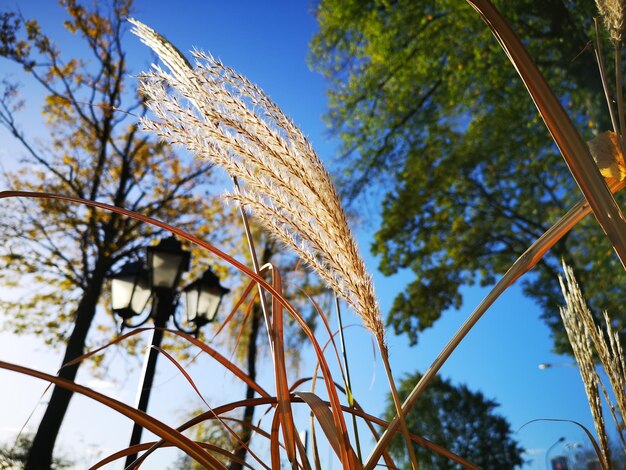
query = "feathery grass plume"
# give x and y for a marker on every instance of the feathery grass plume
(218, 114)
(607, 346)
(612, 13)
(585, 336)
(616, 371)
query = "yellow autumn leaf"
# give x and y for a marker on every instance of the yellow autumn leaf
(608, 156)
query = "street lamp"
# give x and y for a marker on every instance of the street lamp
(166, 263)
(130, 290)
(203, 298)
(550, 365)
(559, 440)
(132, 287)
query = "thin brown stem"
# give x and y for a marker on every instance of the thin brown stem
(257, 269)
(605, 82)
(619, 88)
(399, 409)
(346, 380)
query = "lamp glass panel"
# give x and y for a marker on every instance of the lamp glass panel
(191, 303)
(165, 267)
(208, 303)
(123, 295)
(122, 291)
(141, 295)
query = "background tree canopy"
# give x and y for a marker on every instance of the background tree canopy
(425, 101)
(462, 421)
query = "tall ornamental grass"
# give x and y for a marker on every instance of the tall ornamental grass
(218, 114)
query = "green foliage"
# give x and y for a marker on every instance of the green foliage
(462, 421)
(13, 455)
(426, 102)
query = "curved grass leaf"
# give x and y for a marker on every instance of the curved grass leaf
(148, 422)
(347, 451)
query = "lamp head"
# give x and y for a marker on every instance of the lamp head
(130, 290)
(203, 298)
(166, 263)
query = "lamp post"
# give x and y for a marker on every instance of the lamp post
(132, 287)
(559, 440)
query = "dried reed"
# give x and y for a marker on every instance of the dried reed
(218, 114)
(612, 13)
(586, 337)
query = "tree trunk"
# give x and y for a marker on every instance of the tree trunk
(40, 454)
(248, 413)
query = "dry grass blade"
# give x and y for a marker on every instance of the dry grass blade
(182, 370)
(275, 443)
(232, 367)
(148, 422)
(93, 352)
(280, 370)
(565, 135)
(147, 445)
(325, 419)
(328, 378)
(235, 308)
(216, 413)
(592, 440)
(199, 394)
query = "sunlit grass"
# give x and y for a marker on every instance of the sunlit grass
(218, 114)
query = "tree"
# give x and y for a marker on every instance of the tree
(425, 101)
(462, 421)
(94, 151)
(13, 455)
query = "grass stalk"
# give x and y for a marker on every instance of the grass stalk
(257, 268)
(399, 409)
(619, 89)
(605, 82)
(346, 379)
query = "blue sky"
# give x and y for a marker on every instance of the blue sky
(268, 42)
